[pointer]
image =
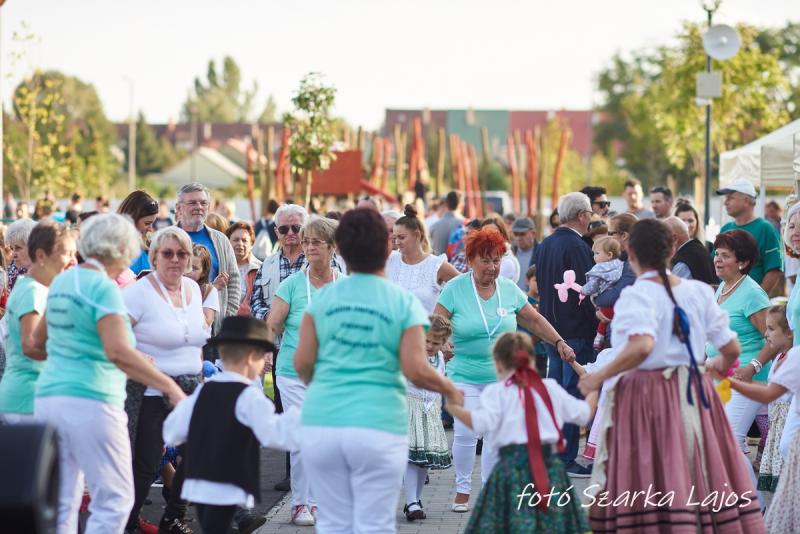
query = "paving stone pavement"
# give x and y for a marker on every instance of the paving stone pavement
(437, 496)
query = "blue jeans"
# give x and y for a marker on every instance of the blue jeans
(561, 372)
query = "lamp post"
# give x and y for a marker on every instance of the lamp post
(709, 6)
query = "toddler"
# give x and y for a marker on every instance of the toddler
(605, 273)
(523, 415)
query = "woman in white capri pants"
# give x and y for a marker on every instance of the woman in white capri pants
(357, 338)
(294, 295)
(81, 389)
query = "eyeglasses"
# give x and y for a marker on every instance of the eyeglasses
(168, 254)
(313, 242)
(602, 203)
(284, 229)
(192, 203)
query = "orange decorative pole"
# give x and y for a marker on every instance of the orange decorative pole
(476, 188)
(512, 165)
(562, 152)
(387, 156)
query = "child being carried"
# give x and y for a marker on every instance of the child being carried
(607, 270)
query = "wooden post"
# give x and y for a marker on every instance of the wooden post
(477, 190)
(248, 151)
(465, 178)
(387, 155)
(486, 156)
(700, 198)
(562, 152)
(531, 177)
(377, 161)
(360, 140)
(269, 152)
(398, 160)
(307, 189)
(440, 161)
(512, 166)
(413, 157)
(282, 171)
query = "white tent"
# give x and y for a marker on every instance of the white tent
(766, 161)
(210, 167)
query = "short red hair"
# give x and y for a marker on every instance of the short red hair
(485, 242)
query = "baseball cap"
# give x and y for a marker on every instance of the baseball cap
(523, 224)
(740, 185)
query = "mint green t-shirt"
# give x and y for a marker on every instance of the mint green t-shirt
(77, 365)
(472, 349)
(746, 300)
(357, 378)
(19, 381)
(295, 293)
(769, 246)
(793, 313)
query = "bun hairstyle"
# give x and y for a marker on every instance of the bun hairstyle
(513, 350)
(412, 222)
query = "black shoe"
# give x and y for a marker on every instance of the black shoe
(413, 515)
(576, 470)
(427, 479)
(173, 526)
(250, 523)
(479, 449)
(284, 485)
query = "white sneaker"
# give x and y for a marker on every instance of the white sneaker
(301, 516)
(460, 507)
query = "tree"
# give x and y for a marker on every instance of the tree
(220, 99)
(785, 42)
(270, 113)
(312, 129)
(149, 149)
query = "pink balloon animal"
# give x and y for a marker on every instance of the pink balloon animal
(569, 283)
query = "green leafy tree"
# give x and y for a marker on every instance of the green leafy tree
(220, 98)
(150, 157)
(785, 42)
(312, 127)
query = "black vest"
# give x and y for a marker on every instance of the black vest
(696, 257)
(219, 448)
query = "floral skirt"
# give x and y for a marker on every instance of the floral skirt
(771, 460)
(507, 503)
(427, 442)
(783, 516)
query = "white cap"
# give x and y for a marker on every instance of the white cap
(741, 185)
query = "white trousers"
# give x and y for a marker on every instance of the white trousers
(293, 392)
(92, 441)
(741, 413)
(465, 440)
(357, 473)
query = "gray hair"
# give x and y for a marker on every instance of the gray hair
(571, 205)
(19, 231)
(193, 187)
(320, 227)
(170, 232)
(677, 226)
(394, 214)
(111, 238)
(291, 209)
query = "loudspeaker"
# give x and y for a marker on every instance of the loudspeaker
(28, 478)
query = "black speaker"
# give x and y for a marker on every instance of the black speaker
(28, 479)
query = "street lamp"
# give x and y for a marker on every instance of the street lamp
(709, 6)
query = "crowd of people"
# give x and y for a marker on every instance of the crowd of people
(176, 348)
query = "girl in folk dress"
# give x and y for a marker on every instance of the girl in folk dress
(779, 336)
(427, 442)
(523, 416)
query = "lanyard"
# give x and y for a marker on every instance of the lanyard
(182, 318)
(501, 312)
(308, 282)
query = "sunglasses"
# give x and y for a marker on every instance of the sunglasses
(602, 203)
(284, 229)
(169, 254)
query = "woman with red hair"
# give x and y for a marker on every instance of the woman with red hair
(481, 306)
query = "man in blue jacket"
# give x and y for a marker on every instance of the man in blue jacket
(575, 322)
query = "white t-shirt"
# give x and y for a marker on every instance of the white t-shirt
(509, 267)
(212, 300)
(502, 413)
(788, 374)
(645, 309)
(161, 329)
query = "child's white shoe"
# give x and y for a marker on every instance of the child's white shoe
(460, 507)
(301, 516)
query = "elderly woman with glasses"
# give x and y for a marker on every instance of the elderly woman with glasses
(292, 298)
(165, 309)
(89, 344)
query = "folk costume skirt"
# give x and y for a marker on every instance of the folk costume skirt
(771, 460)
(664, 465)
(427, 441)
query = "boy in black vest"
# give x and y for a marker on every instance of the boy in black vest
(223, 423)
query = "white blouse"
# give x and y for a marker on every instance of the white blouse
(421, 279)
(427, 396)
(645, 309)
(173, 337)
(788, 375)
(501, 416)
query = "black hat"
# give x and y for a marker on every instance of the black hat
(240, 329)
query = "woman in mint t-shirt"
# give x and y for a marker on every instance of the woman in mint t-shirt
(481, 306)
(81, 388)
(290, 302)
(51, 248)
(358, 338)
(746, 304)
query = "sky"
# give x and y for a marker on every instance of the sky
(498, 54)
